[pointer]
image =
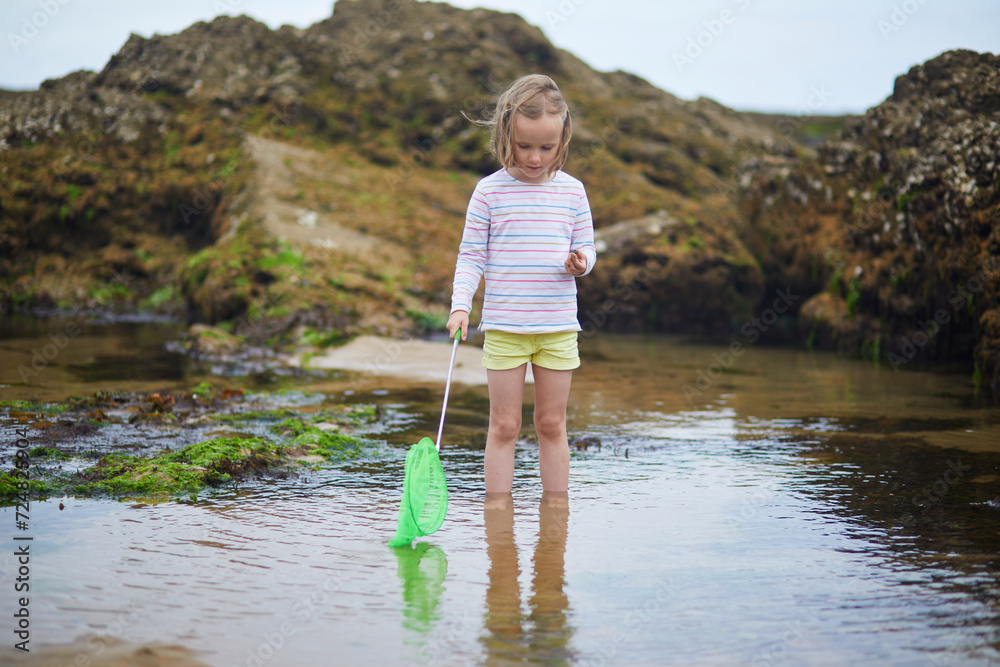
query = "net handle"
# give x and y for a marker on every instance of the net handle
(447, 387)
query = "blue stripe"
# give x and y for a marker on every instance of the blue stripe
(522, 206)
(535, 324)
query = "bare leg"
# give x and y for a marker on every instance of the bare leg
(551, 396)
(506, 393)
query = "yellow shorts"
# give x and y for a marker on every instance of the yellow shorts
(504, 350)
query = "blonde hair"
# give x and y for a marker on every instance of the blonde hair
(532, 96)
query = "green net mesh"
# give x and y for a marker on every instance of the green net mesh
(425, 494)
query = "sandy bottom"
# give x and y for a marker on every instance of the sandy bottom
(412, 359)
(97, 651)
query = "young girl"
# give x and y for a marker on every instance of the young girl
(529, 230)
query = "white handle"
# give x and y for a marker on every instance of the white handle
(447, 387)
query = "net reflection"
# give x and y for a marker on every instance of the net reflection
(543, 634)
(422, 570)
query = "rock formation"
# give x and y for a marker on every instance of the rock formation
(292, 183)
(893, 230)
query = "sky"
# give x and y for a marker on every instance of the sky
(790, 56)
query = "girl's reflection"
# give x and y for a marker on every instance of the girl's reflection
(544, 635)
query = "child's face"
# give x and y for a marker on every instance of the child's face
(536, 145)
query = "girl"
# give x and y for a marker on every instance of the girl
(529, 230)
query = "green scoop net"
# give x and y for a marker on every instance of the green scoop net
(425, 491)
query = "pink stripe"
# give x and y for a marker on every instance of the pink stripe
(561, 252)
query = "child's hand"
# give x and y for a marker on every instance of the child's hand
(576, 263)
(458, 320)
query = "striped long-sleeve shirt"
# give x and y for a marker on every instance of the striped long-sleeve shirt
(519, 235)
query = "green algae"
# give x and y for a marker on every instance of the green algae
(12, 487)
(32, 406)
(298, 438)
(22, 406)
(123, 475)
(218, 450)
(255, 415)
(208, 464)
(343, 415)
(322, 339)
(205, 390)
(316, 441)
(211, 463)
(49, 453)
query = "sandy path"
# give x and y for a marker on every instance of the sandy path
(412, 359)
(279, 167)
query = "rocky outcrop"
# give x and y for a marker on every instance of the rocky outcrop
(163, 166)
(659, 273)
(232, 173)
(893, 230)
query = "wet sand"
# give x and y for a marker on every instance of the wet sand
(411, 359)
(96, 651)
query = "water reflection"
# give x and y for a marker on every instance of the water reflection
(821, 519)
(422, 570)
(544, 635)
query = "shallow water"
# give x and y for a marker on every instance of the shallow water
(802, 509)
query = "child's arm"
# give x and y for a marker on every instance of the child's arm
(471, 262)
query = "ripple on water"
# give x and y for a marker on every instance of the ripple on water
(724, 533)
